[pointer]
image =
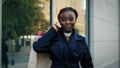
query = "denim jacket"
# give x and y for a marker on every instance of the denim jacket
(62, 53)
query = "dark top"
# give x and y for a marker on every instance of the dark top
(62, 53)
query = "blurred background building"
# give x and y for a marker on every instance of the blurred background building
(105, 33)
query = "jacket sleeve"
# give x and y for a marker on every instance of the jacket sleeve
(86, 61)
(42, 44)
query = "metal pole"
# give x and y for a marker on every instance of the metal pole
(51, 12)
(119, 29)
(0, 33)
(87, 22)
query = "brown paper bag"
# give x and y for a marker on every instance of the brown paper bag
(38, 60)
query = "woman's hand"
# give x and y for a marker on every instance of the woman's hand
(56, 26)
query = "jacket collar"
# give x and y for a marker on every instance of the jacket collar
(78, 37)
(75, 35)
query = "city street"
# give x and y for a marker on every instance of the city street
(20, 58)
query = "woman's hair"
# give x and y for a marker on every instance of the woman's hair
(68, 9)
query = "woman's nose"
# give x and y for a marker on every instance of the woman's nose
(67, 21)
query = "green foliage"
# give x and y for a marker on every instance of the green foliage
(21, 17)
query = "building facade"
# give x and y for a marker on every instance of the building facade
(105, 33)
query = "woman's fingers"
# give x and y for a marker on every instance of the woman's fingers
(56, 26)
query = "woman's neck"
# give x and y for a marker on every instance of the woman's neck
(67, 34)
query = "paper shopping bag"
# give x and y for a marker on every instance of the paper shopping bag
(38, 60)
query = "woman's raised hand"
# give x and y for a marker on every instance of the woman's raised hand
(56, 26)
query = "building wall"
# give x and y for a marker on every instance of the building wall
(105, 33)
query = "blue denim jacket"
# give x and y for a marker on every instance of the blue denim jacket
(64, 54)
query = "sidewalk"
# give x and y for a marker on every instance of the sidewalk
(18, 65)
(20, 58)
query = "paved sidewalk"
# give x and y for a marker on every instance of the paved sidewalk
(20, 58)
(18, 65)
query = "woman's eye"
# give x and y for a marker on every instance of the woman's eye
(71, 18)
(63, 19)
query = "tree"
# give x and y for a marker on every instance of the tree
(21, 17)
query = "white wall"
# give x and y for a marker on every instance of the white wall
(105, 33)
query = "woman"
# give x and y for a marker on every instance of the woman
(65, 47)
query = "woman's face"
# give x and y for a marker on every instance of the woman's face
(67, 21)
